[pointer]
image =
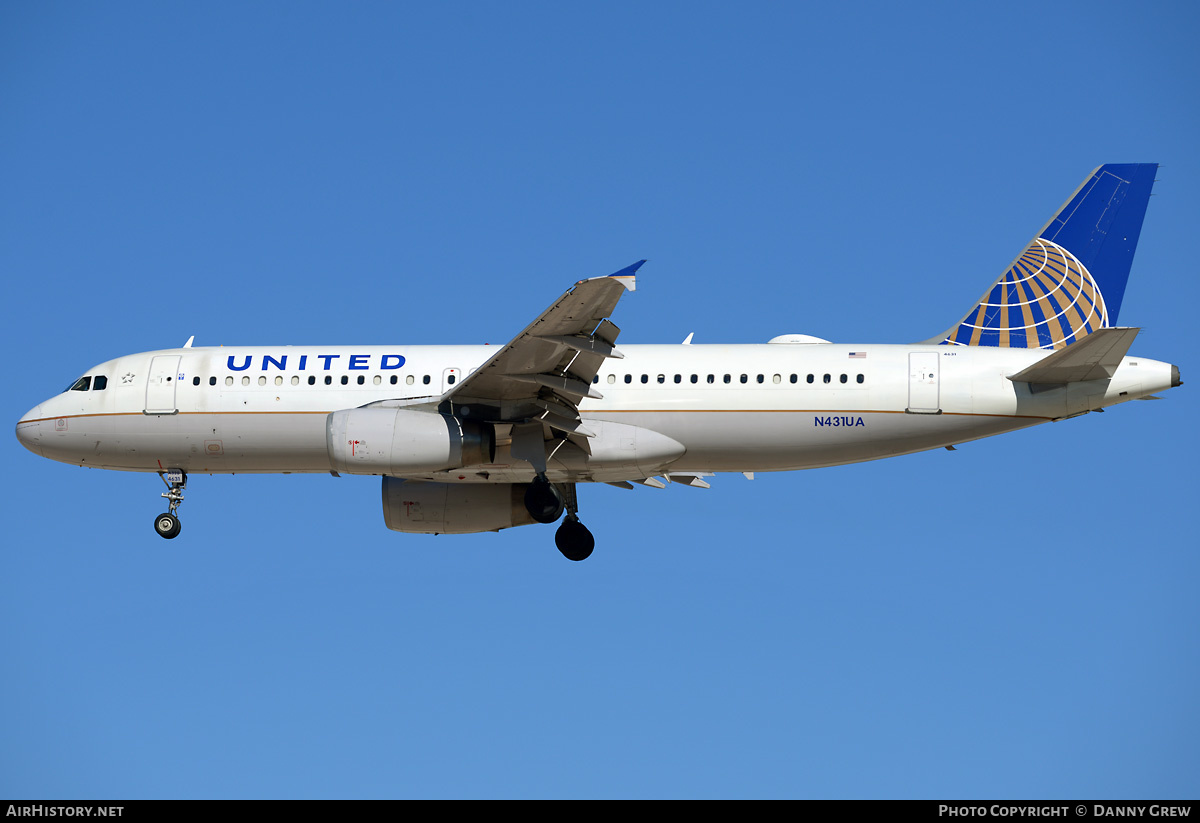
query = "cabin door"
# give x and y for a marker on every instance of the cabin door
(161, 383)
(923, 383)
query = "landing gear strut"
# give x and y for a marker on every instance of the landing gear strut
(573, 538)
(167, 524)
(546, 503)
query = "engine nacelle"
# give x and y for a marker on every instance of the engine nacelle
(400, 441)
(453, 508)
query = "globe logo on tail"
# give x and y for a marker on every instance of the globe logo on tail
(1047, 300)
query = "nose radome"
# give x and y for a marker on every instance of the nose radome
(29, 430)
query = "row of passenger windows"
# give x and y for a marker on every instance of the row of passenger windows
(100, 381)
(744, 378)
(312, 380)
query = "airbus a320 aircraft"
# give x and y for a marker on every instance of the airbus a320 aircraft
(472, 438)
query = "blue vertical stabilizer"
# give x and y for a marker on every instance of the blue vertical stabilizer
(1070, 280)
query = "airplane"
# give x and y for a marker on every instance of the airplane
(474, 438)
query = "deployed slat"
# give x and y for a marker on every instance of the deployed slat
(568, 385)
(607, 331)
(586, 344)
(560, 409)
(565, 424)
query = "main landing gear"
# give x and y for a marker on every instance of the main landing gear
(545, 504)
(573, 539)
(167, 524)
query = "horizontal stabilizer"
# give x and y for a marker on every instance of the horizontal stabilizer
(1095, 357)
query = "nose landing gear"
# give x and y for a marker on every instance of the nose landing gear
(167, 524)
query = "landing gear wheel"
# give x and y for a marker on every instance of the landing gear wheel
(544, 503)
(574, 540)
(167, 525)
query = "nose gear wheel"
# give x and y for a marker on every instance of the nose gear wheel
(167, 524)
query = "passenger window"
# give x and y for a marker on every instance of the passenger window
(312, 380)
(329, 380)
(362, 379)
(612, 378)
(82, 384)
(760, 379)
(860, 378)
(712, 378)
(595, 379)
(695, 378)
(843, 378)
(645, 378)
(228, 381)
(377, 380)
(827, 378)
(743, 378)
(410, 379)
(662, 378)
(393, 380)
(279, 380)
(629, 378)
(262, 381)
(295, 380)
(728, 378)
(810, 378)
(246, 381)
(778, 378)
(679, 378)
(195, 381)
(212, 381)
(425, 380)
(345, 379)
(450, 380)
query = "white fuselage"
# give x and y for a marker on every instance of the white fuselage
(768, 407)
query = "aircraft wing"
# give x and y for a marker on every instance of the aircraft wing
(546, 370)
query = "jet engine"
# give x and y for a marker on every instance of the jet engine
(453, 508)
(400, 441)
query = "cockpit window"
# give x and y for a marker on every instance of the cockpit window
(100, 383)
(82, 384)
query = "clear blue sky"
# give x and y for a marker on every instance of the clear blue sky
(1016, 618)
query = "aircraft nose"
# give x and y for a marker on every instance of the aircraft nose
(29, 430)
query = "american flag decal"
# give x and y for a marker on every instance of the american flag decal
(858, 355)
